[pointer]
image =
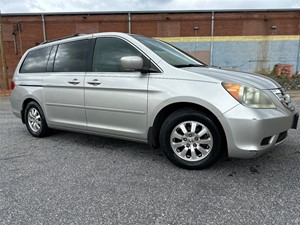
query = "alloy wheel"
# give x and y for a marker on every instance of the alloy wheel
(191, 141)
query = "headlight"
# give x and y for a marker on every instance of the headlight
(249, 96)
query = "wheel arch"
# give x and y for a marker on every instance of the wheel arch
(153, 132)
(25, 103)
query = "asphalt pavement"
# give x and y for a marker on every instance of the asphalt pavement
(71, 178)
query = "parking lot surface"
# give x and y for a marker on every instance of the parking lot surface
(70, 178)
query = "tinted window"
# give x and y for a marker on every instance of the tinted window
(108, 53)
(36, 61)
(71, 57)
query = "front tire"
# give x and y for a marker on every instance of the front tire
(35, 120)
(190, 139)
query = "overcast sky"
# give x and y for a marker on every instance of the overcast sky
(28, 6)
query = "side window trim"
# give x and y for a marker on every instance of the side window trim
(90, 54)
(50, 63)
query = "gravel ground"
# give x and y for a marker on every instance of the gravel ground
(71, 178)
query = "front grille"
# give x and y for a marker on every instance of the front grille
(284, 98)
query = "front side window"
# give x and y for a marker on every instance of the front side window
(108, 53)
(71, 57)
(36, 61)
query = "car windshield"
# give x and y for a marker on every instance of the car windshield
(169, 53)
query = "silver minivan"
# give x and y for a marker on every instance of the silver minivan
(141, 89)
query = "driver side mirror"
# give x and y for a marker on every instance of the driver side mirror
(132, 63)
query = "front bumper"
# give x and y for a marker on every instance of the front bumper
(251, 132)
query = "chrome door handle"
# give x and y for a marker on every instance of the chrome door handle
(74, 82)
(94, 82)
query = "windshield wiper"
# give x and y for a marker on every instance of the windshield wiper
(189, 65)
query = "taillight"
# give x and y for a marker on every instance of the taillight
(12, 85)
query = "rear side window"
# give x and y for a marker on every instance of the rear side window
(71, 57)
(36, 61)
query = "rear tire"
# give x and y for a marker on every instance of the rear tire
(190, 139)
(35, 120)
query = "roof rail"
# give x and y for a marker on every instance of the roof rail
(62, 38)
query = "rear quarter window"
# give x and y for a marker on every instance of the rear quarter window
(36, 61)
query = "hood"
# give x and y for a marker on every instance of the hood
(231, 76)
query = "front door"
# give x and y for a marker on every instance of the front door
(115, 99)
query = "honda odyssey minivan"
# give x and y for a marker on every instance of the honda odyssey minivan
(137, 88)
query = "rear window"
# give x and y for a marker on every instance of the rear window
(36, 61)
